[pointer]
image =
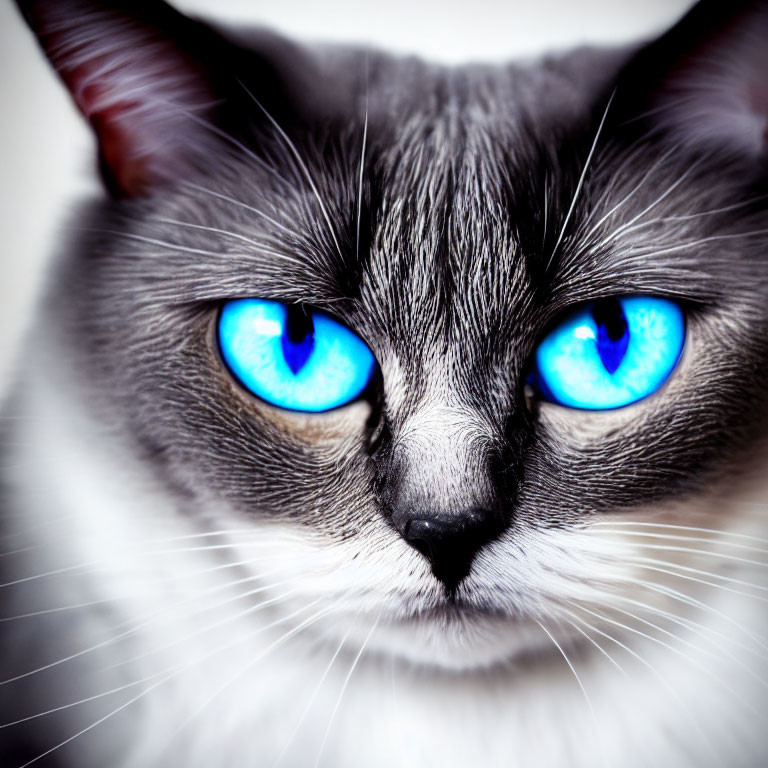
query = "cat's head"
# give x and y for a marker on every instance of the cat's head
(452, 219)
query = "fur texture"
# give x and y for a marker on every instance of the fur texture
(194, 577)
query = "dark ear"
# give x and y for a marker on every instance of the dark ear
(705, 82)
(159, 89)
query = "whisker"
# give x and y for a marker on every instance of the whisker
(155, 241)
(671, 648)
(149, 678)
(251, 530)
(685, 642)
(630, 194)
(650, 564)
(103, 644)
(48, 574)
(655, 564)
(362, 167)
(311, 701)
(698, 214)
(252, 662)
(240, 204)
(267, 545)
(657, 675)
(695, 603)
(222, 622)
(616, 233)
(699, 629)
(87, 700)
(599, 647)
(127, 704)
(302, 165)
(642, 524)
(678, 537)
(163, 580)
(545, 210)
(580, 183)
(185, 249)
(344, 685)
(578, 680)
(702, 241)
(18, 551)
(238, 144)
(59, 609)
(213, 230)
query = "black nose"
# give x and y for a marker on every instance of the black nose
(450, 543)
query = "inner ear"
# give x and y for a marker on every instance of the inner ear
(162, 92)
(704, 82)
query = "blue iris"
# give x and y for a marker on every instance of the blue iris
(610, 353)
(293, 357)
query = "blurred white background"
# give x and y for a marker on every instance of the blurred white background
(46, 153)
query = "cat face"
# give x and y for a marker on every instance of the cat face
(450, 218)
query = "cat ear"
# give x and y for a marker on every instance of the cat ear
(144, 76)
(706, 80)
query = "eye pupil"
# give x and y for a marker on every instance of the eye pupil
(612, 333)
(298, 339)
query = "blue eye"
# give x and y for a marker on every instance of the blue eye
(293, 357)
(610, 353)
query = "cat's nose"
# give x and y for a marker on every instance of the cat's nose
(450, 543)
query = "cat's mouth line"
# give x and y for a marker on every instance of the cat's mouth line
(462, 611)
(454, 609)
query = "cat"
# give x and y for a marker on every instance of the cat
(474, 550)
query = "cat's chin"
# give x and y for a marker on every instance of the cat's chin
(458, 639)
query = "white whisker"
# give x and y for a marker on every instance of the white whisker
(643, 524)
(701, 630)
(362, 168)
(133, 629)
(59, 609)
(678, 638)
(141, 695)
(252, 662)
(213, 230)
(678, 537)
(238, 144)
(580, 183)
(586, 237)
(695, 603)
(616, 233)
(240, 204)
(344, 685)
(599, 647)
(217, 624)
(48, 574)
(651, 564)
(250, 531)
(302, 165)
(598, 732)
(311, 701)
(671, 648)
(657, 675)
